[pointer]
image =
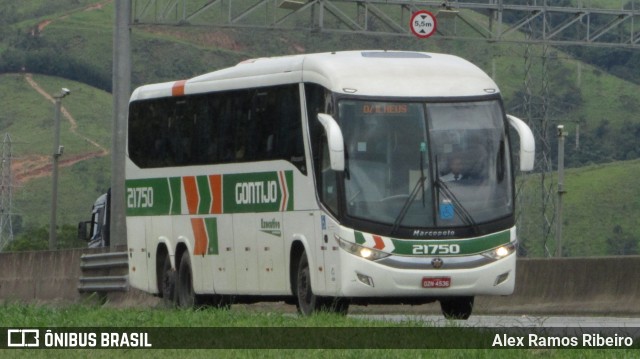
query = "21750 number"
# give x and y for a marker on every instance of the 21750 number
(140, 197)
(436, 249)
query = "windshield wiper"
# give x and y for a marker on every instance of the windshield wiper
(419, 186)
(457, 205)
(407, 203)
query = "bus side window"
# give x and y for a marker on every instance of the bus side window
(289, 144)
(277, 131)
(326, 183)
(221, 127)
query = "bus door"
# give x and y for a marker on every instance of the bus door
(328, 250)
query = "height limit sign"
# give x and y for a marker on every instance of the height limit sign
(423, 24)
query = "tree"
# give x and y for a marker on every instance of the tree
(37, 239)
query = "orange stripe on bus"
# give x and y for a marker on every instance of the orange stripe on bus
(200, 236)
(285, 195)
(215, 183)
(379, 242)
(178, 88)
(191, 192)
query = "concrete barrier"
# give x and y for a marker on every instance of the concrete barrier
(46, 276)
(603, 285)
(594, 285)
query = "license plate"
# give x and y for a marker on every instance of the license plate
(436, 282)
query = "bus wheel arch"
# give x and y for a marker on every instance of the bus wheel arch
(297, 249)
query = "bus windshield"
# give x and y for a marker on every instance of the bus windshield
(426, 165)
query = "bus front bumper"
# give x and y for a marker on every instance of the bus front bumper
(364, 278)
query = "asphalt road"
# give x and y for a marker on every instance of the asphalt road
(512, 321)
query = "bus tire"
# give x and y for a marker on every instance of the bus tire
(457, 307)
(168, 283)
(185, 296)
(307, 302)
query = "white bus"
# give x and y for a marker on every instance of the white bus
(321, 180)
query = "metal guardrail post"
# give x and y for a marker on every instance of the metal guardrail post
(104, 272)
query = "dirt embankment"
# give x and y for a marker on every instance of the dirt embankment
(35, 166)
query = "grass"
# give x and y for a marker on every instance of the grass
(598, 198)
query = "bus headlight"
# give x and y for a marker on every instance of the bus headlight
(501, 252)
(360, 251)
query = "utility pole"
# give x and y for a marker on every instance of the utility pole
(121, 93)
(6, 194)
(57, 152)
(561, 136)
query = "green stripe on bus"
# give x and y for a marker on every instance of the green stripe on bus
(176, 195)
(289, 181)
(467, 246)
(150, 197)
(211, 224)
(359, 238)
(205, 194)
(242, 193)
(257, 192)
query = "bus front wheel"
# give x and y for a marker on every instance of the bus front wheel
(309, 303)
(457, 307)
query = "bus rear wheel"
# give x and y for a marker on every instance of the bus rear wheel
(185, 296)
(168, 282)
(457, 307)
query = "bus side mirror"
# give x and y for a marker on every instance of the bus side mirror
(527, 143)
(335, 141)
(84, 229)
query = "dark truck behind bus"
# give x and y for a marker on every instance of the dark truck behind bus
(96, 230)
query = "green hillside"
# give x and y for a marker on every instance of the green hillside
(28, 117)
(68, 43)
(600, 211)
